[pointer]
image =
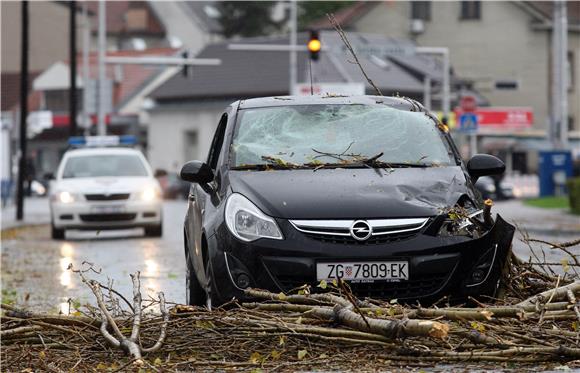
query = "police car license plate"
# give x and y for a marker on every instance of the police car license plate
(363, 271)
(108, 209)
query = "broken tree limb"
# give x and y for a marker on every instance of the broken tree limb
(342, 312)
(555, 294)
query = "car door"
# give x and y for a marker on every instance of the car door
(199, 199)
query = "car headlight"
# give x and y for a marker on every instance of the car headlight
(149, 194)
(462, 223)
(490, 188)
(65, 197)
(247, 222)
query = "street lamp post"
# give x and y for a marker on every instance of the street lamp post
(444, 52)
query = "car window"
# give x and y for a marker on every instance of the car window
(104, 165)
(305, 134)
(216, 144)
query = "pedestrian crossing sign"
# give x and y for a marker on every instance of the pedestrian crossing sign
(468, 123)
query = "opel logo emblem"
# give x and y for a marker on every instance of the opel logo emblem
(360, 230)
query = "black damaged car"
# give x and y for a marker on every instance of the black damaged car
(368, 189)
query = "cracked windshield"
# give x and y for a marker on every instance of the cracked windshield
(337, 134)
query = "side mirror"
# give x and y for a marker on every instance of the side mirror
(49, 176)
(484, 165)
(196, 172)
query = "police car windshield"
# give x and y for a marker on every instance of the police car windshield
(104, 166)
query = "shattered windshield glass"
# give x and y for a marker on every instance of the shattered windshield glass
(312, 135)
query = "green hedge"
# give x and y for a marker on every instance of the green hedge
(574, 193)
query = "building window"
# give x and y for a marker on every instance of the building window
(421, 10)
(506, 84)
(58, 100)
(470, 10)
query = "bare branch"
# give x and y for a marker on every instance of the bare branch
(348, 46)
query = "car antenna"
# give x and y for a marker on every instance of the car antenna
(348, 46)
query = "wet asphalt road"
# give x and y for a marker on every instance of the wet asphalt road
(34, 267)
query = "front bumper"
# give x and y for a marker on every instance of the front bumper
(105, 214)
(438, 266)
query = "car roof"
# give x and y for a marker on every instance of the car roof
(401, 103)
(101, 151)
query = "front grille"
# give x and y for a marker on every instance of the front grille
(416, 287)
(382, 231)
(373, 240)
(107, 197)
(107, 217)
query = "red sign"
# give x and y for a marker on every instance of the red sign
(504, 117)
(468, 103)
(62, 120)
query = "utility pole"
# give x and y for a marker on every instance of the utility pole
(86, 78)
(559, 121)
(73, 68)
(293, 41)
(23, 112)
(101, 129)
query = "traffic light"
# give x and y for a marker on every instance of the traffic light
(314, 45)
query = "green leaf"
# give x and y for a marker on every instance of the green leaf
(256, 358)
(157, 362)
(282, 340)
(302, 354)
(275, 354)
(322, 284)
(478, 326)
(282, 296)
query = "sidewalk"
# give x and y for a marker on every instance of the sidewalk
(536, 219)
(36, 211)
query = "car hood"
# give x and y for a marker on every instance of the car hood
(100, 185)
(352, 193)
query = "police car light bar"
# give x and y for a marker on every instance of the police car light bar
(101, 141)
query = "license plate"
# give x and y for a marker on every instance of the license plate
(363, 271)
(110, 209)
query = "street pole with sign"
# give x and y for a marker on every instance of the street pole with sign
(468, 122)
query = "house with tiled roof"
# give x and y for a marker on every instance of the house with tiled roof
(501, 49)
(186, 110)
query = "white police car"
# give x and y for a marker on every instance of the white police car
(101, 185)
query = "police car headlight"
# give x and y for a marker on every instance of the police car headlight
(66, 197)
(247, 222)
(149, 194)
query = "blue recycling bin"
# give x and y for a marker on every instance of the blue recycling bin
(555, 168)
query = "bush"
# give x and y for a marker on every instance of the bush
(574, 194)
